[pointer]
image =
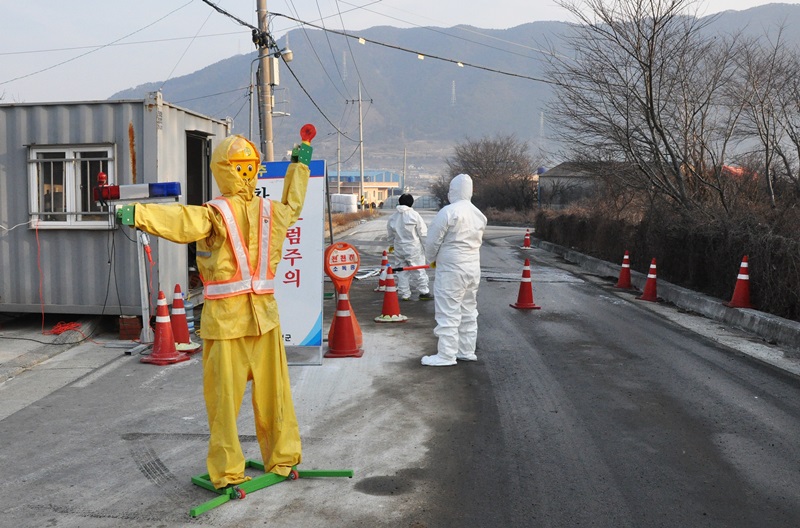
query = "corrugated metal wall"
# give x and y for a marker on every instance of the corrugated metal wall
(82, 270)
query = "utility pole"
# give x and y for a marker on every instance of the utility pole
(265, 87)
(403, 184)
(361, 142)
(338, 163)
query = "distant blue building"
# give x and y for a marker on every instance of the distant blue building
(378, 185)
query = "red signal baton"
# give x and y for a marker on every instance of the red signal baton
(409, 268)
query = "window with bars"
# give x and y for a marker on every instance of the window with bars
(62, 180)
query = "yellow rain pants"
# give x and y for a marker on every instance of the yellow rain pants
(228, 364)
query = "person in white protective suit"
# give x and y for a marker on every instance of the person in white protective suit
(406, 230)
(453, 248)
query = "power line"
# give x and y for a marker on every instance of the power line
(319, 60)
(184, 52)
(313, 101)
(95, 49)
(264, 39)
(363, 40)
(333, 56)
(355, 63)
(114, 44)
(467, 30)
(211, 95)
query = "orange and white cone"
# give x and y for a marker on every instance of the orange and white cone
(180, 325)
(741, 293)
(382, 280)
(164, 351)
(343, 343)
(650, 287)
(525, 296)
(391, 305)
(625, 273)
(526, 241)
(356, 327)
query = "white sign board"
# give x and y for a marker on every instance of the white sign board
(299, 277)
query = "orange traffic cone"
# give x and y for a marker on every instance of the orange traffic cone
(625, 273)
(356, 327)
(344, 342)
(164, 351)
(650, 286)
(526, 241)
(382, 280)
(525, 296)
(391, 305)
(741, 293)
(180, 325)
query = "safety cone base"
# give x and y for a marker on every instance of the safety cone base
(648, 298)
(162, 359)
(399, 318)
(356, 353)
(256, 483)
(189, 348)
(525, 306)
(732, 304)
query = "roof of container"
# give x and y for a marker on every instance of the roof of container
(114, 101)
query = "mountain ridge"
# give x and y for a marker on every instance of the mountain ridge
(423, 106)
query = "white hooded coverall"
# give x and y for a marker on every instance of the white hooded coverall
(405, 231)
(454, 241)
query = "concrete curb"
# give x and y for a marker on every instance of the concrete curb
(771, 328)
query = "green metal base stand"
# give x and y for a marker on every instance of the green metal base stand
(239, 491)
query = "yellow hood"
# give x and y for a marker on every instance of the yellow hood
(229, 182)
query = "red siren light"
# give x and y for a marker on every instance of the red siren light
(308, 132)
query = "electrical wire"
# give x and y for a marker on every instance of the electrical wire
(466, 30)
(330, 47)
(232, 17)
(319, 60)
(415, 52)
(61, 326)
(314, 102)
(134, 43)
(9, 229)
(184, 52)
(39, 266)
(350, 49)
(259, 35)
(211, 95)
(95, 49)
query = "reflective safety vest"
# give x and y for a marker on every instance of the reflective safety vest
(244, 280)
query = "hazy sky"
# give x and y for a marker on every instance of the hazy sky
(90, 49)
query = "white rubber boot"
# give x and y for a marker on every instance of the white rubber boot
(437, 361)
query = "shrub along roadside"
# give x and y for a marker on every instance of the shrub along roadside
(701, 255)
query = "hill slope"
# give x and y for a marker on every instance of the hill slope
(425, 105)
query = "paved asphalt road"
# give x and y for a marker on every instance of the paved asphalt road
(597, 410)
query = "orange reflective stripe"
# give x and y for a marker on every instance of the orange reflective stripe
(243, 280)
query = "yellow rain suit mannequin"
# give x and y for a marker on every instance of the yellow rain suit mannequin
(241, 333)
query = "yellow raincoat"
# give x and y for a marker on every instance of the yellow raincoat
(242, 336)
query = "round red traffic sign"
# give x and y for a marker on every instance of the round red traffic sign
(341, 263)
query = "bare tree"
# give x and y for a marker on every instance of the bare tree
(769, 88)
(502, 169)
(646, 86)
